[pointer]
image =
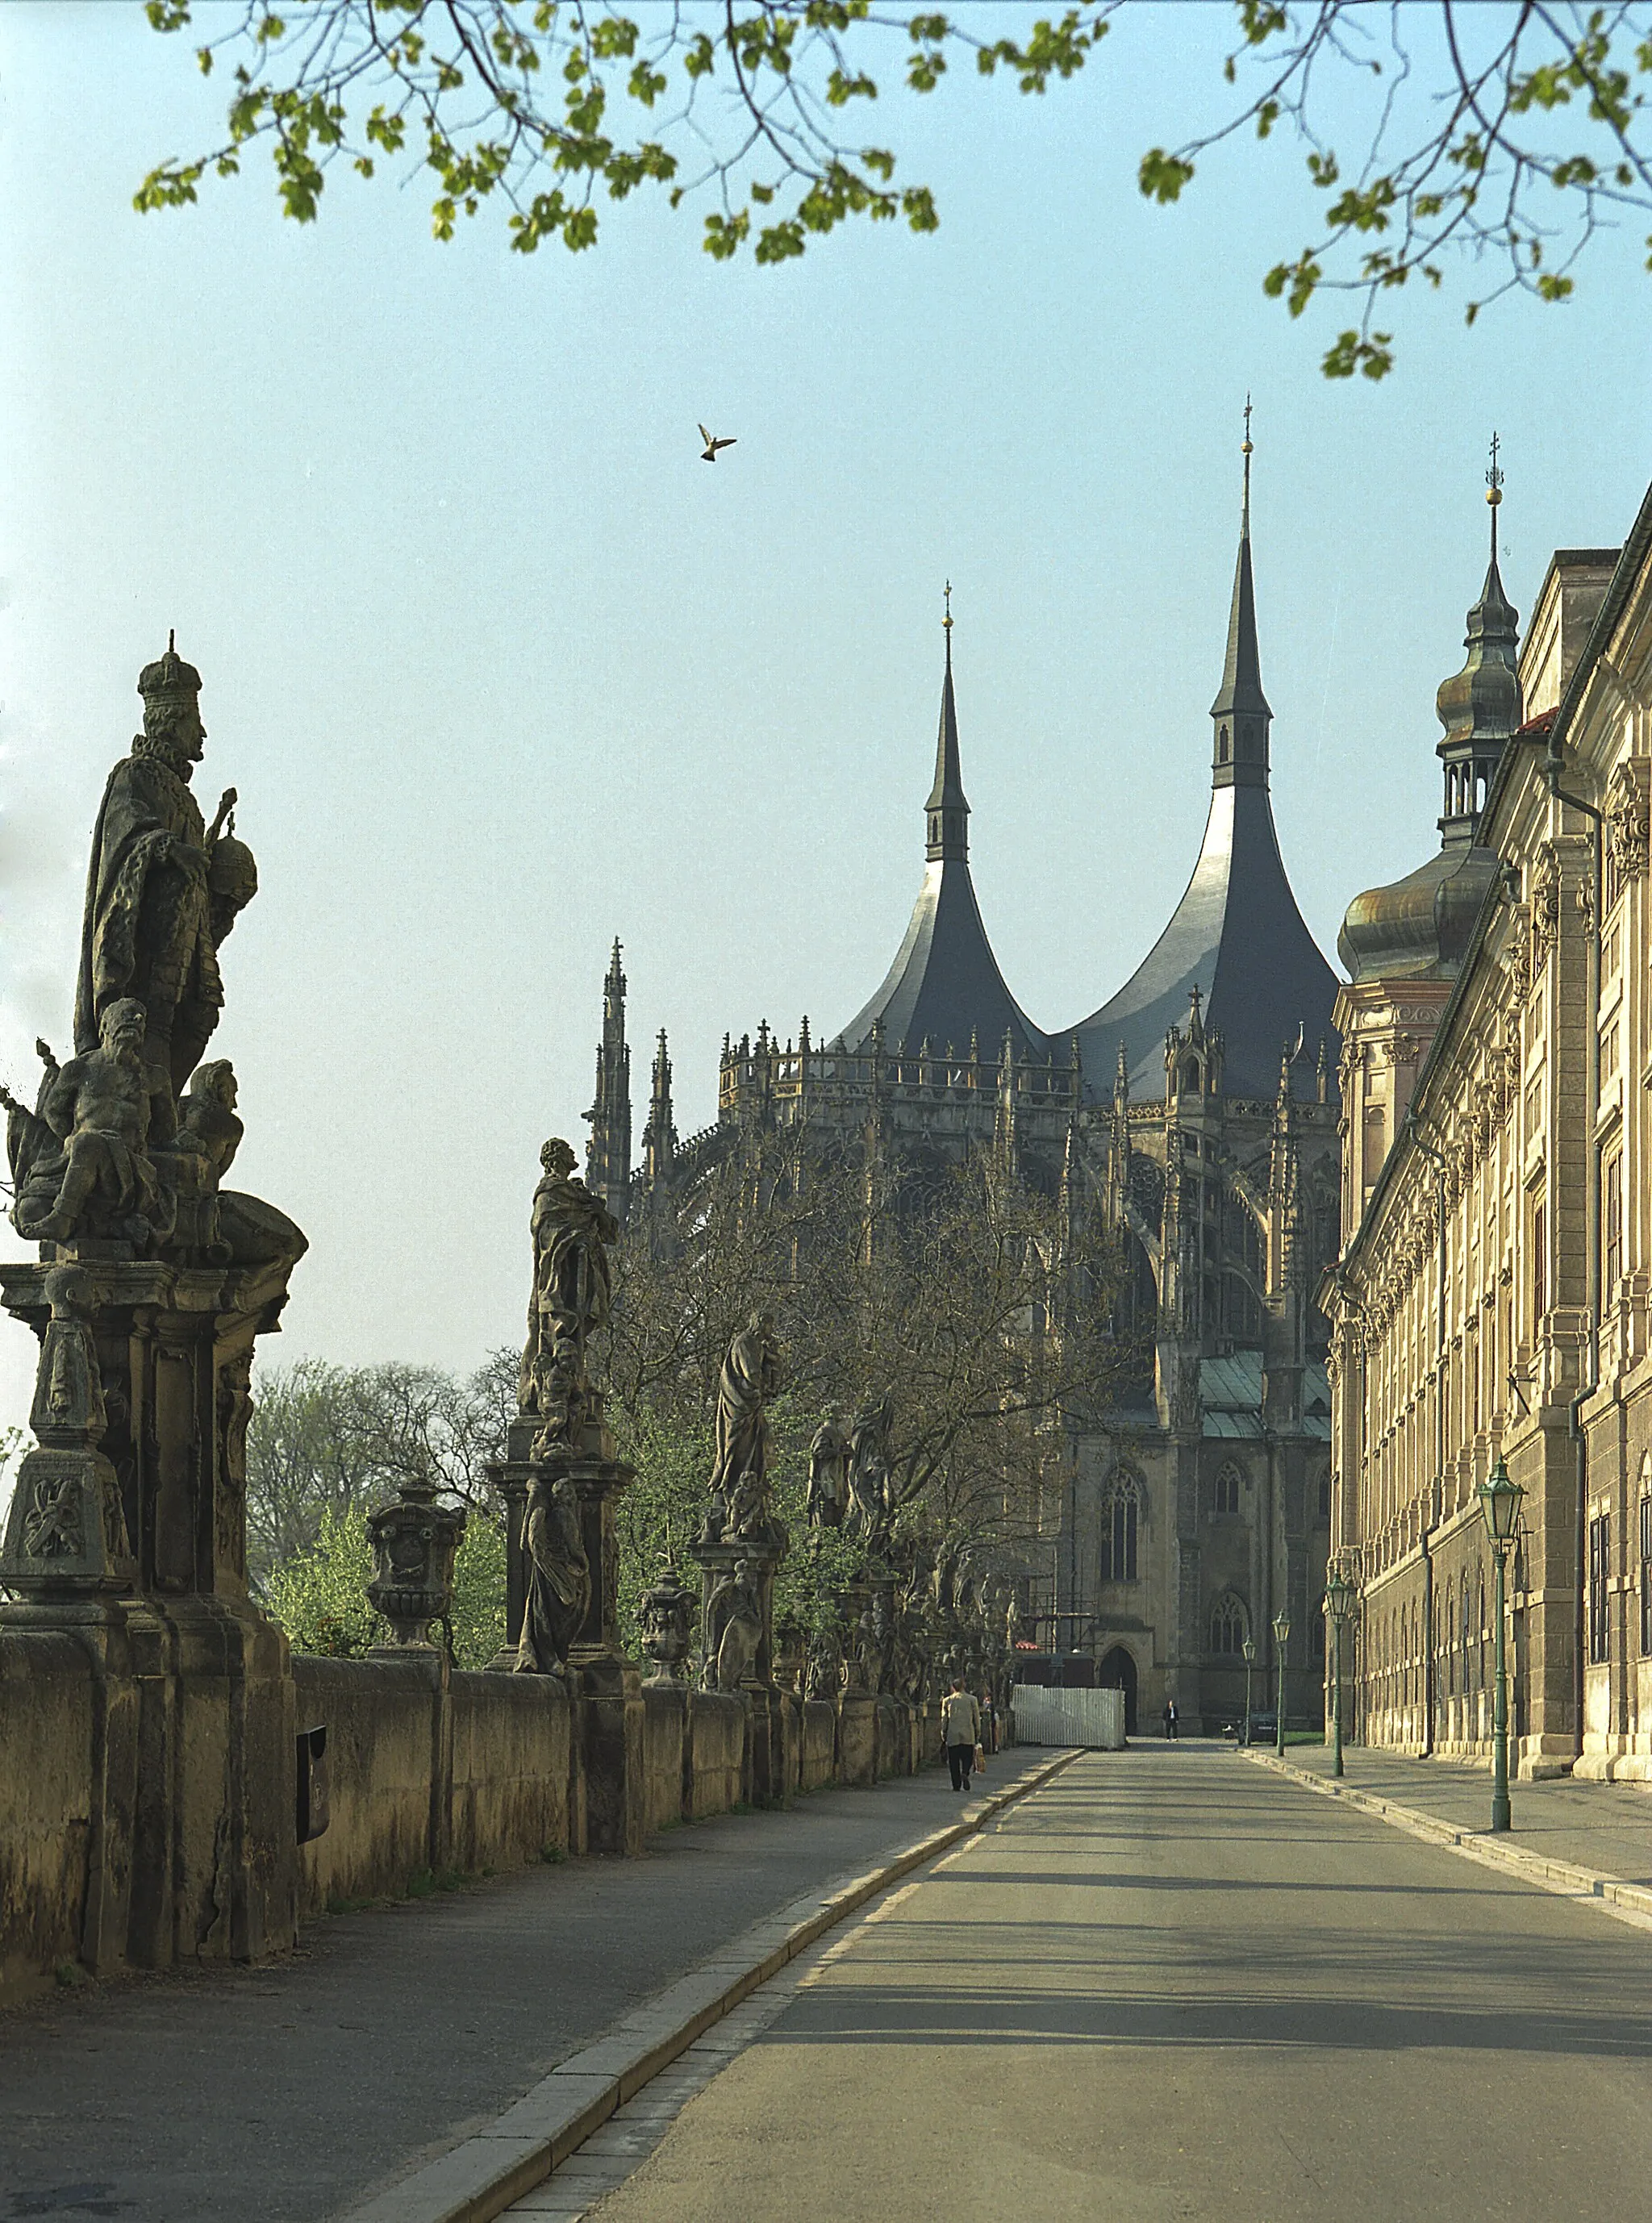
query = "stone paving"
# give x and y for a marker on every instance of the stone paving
(1604, 1826)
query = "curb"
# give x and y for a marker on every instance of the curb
(1630, 1902)
(482, 2177)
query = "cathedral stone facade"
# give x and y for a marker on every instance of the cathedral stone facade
(1198, 1107)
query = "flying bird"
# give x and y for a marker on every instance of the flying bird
(712, 447)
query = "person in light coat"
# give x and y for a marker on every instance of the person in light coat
(961, 1730)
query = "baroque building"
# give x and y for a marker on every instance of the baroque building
(1197, 1109)
(1491, 1298)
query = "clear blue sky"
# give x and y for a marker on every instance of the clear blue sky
(501, 669)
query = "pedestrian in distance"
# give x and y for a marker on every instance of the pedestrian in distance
(1171, 1719)
(960, 1725)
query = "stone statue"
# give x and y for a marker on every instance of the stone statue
(732, 1628)
(823, 1675)
(750, 1377)
(827, 1499)
(558, 1577)
(233, 1229)
(573, 1288)
(869, 1479)
(81, 1164)
(163, 892)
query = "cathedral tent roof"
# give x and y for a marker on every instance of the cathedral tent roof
(944, 986)
(1236, 934)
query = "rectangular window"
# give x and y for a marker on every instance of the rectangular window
(1539, 1269)
(1611, 1224)
(1600, 1575)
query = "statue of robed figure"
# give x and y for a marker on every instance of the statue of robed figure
(573, 1292)
(163, 889)
(750, 1377)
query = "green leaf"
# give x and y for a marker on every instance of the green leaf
(1162, 176)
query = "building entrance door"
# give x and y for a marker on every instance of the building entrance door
(1118, 1672)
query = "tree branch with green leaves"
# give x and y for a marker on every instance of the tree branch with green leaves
(1498, 139)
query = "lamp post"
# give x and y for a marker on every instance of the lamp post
(1500, 1497)
(1281, 1637)
(1249, 1649)
(1339, 1597)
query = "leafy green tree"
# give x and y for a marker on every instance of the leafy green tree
(1503, 136)
(329, 1438)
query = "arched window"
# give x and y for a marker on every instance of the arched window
(1228, 1627)
(1229, 1484)
(1222, 745)
(1190, 1077)
(1120, 1520)
(1316, 1633)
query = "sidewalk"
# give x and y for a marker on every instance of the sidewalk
(287, 2093)
(1605, 1827)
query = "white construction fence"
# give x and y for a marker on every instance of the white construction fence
(1094, 1718)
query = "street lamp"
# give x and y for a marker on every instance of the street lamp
(1339, 1601)
(1500, 1497)
(1249, 1649)
(1281, 1637)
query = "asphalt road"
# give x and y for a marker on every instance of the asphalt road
(1171, 1985)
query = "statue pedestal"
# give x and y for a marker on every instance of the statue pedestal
(607, 1684)
(767, 1776)
(127, 1528)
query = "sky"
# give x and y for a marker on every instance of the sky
(500, 669)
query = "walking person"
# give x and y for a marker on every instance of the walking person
(961, 1727)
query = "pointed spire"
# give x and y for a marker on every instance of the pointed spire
(947, 811)
(1481, 705)
(659, 1145)
(608, 1153)
(1240, 712)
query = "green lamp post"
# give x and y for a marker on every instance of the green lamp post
(1249, 1650)
(1500, 1497)
(1338, 1603)
(1280, 1638)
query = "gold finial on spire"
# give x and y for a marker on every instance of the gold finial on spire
(947, 620)
(1245, 519)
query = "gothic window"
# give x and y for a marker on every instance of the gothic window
(1646, 1569)
(1325, 1495)
(1222, 745)
(1600, 1576)
(1121, 1522)
(1229, 1483)
(1228, 1626)
(1316, 1634)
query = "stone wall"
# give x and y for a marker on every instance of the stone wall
(427, 1771)
(47, 1737)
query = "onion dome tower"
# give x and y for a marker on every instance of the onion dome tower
(1237, 937)
(1418, 928)
(944, 987)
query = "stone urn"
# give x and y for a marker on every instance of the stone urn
(415, 1541)
(667, 1615)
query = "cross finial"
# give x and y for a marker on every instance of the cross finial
(1494, 491)
(947, 620)
(1244, 521)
